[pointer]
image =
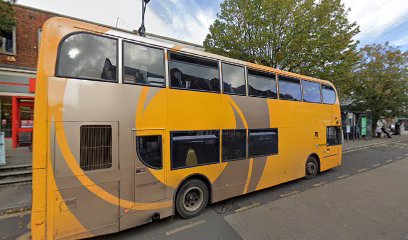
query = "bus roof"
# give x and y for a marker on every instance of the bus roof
(175, 45)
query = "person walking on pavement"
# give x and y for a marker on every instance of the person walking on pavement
(385, 130)
(378, 131)
(397, 129)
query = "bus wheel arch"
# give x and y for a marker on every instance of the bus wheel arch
(188, 179)
(312, 161)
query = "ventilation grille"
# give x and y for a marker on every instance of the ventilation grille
(96, 147)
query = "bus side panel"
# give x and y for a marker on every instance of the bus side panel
(192, 111)
(75, 196)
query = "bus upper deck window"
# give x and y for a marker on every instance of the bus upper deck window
(88, 56)
(328, 94)
(143, 65)
(262, 84)
(190, 72)
(289, 88)
(233, 78)
(311, 91)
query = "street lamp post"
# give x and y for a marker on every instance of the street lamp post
(142, 28)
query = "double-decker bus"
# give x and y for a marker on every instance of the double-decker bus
(129, 130)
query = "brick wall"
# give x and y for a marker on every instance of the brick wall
(29, 21)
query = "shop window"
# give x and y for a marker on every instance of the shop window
(263, 142)
(289, 89)
(233, 78)
(95, 147)
(194, 148)
(143, 65)
(261, 84)
(88, 56)
(333, 136)
(328, 94)
(149, 150)
(193, 73)
(8, 41)
(311, 91)
(234, 144)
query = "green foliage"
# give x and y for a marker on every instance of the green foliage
(303, 36)
(381, 83)
(7, 20)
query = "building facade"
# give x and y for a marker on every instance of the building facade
(18, 61)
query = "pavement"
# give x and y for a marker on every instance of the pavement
(365, 198)
(372, 205)
(19, 157)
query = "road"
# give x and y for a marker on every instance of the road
(362, 199)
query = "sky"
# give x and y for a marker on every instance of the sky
(379, 20)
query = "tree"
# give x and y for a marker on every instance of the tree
(7, 20)
(302, 36)
(381, 84)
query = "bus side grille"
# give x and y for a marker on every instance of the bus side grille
(95, 147)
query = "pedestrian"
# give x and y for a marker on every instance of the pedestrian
(385, 130)
(378, 131)
(397, 130)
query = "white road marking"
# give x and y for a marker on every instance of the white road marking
(343, 176)
(191, 225)
(247, 207)
(362, 170)
(375, 145)
(17, 214)
(319, 184)
(376, 165)
(406, 154)
(388, 161)
(399, 157)
(288, 194)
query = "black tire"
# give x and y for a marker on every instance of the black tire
(192, 198)
(311, 167)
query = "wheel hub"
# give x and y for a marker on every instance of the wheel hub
(193, 199)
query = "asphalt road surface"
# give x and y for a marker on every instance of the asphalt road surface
(365, 198)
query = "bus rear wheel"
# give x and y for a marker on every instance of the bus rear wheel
(311, 167)
(191, 199)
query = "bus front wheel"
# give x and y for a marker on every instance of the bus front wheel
(192, 198)
(311, 167)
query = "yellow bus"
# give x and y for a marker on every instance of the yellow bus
(129, 130)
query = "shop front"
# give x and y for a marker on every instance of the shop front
(17, 108)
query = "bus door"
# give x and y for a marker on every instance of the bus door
(149, 177)
(333, 140)
(332, 148)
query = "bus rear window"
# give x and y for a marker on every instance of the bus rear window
(328, 94)
(88, 56)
